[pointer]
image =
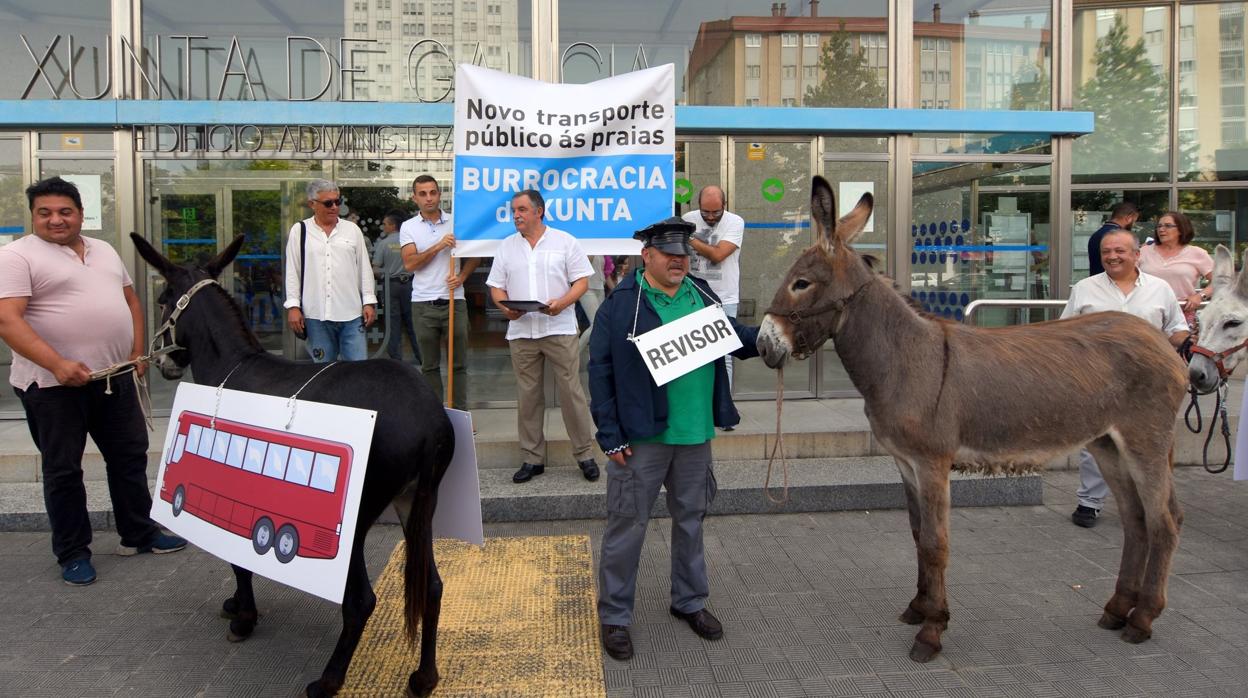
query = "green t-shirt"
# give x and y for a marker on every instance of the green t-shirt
(690, 420)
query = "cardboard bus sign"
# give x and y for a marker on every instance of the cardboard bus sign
(678, 347)
(280, 502)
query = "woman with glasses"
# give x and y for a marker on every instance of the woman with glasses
(1179, 263)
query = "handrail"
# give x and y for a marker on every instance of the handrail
(1018, 303)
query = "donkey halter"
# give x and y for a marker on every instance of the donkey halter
(1218, 357)
(163, 340)
(795, 317)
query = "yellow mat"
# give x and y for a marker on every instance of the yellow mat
(518, 619)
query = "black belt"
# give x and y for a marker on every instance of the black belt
(438, 303)
(402, 278)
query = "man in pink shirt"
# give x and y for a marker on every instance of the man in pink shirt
(68, 309)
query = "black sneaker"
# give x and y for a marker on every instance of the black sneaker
(589, 469)
(1085, 516)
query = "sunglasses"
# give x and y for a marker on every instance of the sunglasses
(329, 203)
(1166, 225)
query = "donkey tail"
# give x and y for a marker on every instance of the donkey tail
(418, 537)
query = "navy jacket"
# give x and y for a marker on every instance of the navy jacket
(624, 401)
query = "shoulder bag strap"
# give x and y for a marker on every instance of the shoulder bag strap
(303, 256)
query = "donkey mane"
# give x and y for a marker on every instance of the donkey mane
(234, 313)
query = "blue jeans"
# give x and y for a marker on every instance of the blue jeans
(331, 340)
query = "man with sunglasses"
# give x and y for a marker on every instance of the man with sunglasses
(716, 243)
(329, 279)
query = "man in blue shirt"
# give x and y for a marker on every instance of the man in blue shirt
(1122, 216)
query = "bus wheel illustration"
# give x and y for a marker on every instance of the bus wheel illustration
(179, 500)
(262, 535)
(287, 543)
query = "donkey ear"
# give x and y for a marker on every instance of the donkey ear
(851, 224)
(823, 211)
(227, 255)
(1241, 282)
(151, 256)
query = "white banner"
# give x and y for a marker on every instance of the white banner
(280, 502)
(678, 347)
(602, 155)
(459, 496)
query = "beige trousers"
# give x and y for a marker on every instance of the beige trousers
(529, 358)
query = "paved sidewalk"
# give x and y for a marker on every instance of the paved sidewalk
(809, 603)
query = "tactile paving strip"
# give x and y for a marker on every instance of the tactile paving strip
(518, 619)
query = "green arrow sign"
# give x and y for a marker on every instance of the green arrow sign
(773, 190)
(684, 191)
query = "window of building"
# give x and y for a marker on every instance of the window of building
(788, 39)
(789, 71)
(810, 72)
(810, 40)
(753, 40)
(788, 102)
(751, 101)
(753, 71)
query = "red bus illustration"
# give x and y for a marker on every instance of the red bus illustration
(283, 491)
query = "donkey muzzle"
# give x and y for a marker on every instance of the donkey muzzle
(772, 345)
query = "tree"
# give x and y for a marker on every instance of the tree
(1131, 101)
(848, 81)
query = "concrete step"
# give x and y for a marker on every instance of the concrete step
(824, 428)
(815, 484)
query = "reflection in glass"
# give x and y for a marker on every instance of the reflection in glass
(47, 26)
(994, 55)
(734, 52)
(1121, 72)
(1220, 217)
(972, 237)
(1213, 142)
(349, 50)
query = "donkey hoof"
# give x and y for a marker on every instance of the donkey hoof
(910, 616)
(229, 609)
(922, 652)
(1135, 635)
(1110, 621)
(419, 685)
(239, 630)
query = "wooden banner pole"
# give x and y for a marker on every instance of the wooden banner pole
(450, 337)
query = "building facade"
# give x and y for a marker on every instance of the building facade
(968, 121)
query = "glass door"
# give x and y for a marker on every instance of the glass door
(13, 224)
(770, 189)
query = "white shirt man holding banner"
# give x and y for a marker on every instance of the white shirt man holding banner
(659, 387)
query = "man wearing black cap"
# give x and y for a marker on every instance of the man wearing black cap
(648, 443)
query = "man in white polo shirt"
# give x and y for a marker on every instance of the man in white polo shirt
(1122, 286)
(427, 240)
(538, 263)
(68, 310)
(717, 237)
